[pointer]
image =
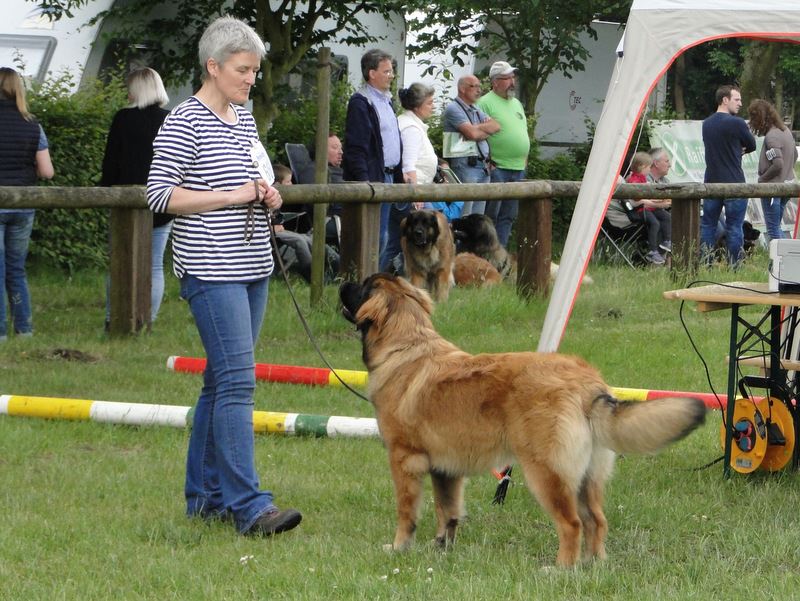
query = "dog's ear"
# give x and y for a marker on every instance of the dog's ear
(418, 295)
(386, 294)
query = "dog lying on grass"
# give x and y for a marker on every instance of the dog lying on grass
(476, 234)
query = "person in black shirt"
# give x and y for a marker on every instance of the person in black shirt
(129, 152)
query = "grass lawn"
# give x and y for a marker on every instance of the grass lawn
(93, 511)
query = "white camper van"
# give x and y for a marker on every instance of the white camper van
(31, 42)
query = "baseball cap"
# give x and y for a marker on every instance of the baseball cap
(500, 68)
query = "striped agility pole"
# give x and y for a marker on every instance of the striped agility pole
(322, 376)
(140, 414)
(285, 374)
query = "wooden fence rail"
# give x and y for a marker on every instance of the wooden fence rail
(131, 224)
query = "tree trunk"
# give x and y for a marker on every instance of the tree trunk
(760, 61)
(264, 108)
(679, 79)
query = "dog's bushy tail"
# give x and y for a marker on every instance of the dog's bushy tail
(644, 426)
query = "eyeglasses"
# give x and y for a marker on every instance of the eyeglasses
(473, 85)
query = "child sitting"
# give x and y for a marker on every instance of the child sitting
(650, 212)
(299, 244)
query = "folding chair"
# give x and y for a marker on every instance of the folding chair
(299, 159)
(621, 236)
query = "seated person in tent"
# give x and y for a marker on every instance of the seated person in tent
(650, 211)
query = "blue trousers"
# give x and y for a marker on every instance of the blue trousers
(773, 213)
(15, 235)
(504, 212)
(470, 175)
(735, 211)
(220, 465)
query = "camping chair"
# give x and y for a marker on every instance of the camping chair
(299, 159)
(621, 236)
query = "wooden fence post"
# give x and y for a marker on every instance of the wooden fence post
(686, 236)
(361, 224)
(534, 246)
(131, 266)
(321, 174)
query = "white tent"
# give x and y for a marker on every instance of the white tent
(656, 33)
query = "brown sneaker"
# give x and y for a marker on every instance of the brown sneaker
(274, 522)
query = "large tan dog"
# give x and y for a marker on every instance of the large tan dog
(428, 252)
(449, 414)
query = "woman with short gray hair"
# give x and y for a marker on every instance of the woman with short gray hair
(211, 170)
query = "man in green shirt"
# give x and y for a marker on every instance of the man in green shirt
(508, 147)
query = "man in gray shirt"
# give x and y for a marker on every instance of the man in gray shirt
(466, 129)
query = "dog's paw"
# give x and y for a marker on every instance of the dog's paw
(388, 547)
(443, 544)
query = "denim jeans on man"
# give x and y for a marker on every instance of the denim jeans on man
(470, 175)
(735, 211)
(15, 234)
(773, 213)
(388, 178)
(504, 212)
(392, 256)
(220, 468)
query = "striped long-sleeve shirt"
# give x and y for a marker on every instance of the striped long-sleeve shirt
(196, 150)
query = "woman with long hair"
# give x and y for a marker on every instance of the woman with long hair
(129, 152)
(24, 157)
(776, 163)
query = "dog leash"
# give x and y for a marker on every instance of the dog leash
(284, 273)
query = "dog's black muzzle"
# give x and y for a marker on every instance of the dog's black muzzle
(419, 236)
(350, 296)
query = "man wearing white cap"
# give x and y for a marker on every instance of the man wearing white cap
(509, 147)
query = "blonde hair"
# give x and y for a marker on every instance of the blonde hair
(12, 88)
(640, 160)
(145, 88)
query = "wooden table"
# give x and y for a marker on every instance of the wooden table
(781, 353)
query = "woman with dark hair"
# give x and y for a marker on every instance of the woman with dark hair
(24, 156)
(210, 170)
(129, 152)
(776, 163)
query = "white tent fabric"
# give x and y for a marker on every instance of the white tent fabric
(656, 33)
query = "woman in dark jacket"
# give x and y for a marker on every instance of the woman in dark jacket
(129, 152)
(24, 156)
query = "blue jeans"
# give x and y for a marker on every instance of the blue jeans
(15, 234)
(393, 249)
(735, 211)
(388, 178)
(470, 175)
(220, 466)
(773, 213)
(504, 212)
(158, 247)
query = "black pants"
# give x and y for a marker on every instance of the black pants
(659, 226)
